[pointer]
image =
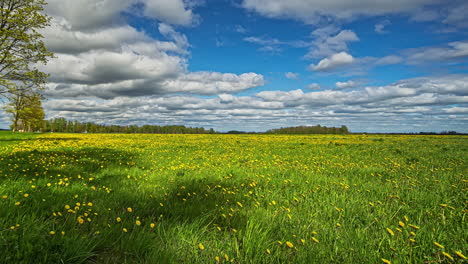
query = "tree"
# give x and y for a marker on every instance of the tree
(26, 109)
(21, 45)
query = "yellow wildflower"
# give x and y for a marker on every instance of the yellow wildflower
(386, 261)
(447, 255)
(390, 231)
(67, 207)
(52, 232)
(129, 210)
(238, 203)
(460, 254)
(201, 247)
(289, 244)
(152, 225)
(438, 245)
(137, 222)
(125, 230)
(401, 224)
(315, 240)
(268, 251)
(119, 219)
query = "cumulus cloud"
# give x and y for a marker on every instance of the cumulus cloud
(292, 75)
(330, 40)
(104, 57)
(347, 84)
(334, 61)
(418, 104)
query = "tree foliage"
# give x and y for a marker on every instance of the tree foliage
(310, 130)
(21, 45)
(25, 107)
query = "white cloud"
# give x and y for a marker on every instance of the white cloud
(170, 11)
(292, 75)
(347, 84)
(334, 61)
(380, 27)
(453, 51)
(313, 86)
(314, 11)
(329, 41)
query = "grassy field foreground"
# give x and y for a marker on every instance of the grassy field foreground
(88, 198)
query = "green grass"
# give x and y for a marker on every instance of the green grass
(336, 199)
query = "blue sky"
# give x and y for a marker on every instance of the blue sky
(376, 66)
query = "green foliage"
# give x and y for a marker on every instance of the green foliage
(26, 110)
(21, 45)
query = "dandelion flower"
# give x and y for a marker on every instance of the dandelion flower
(4, 196)
(119, 219)
(438, 245)
(52, 232)
(201, 247)
(447, 255)
(413, 226)
(386, 261)
(289, 244)
(217, 259)
(238, 203)
(17, 203)
(138, 222)
(129, 210)
(390, 231)
(268, 251)
(152, 225)
(67, 207)
(26, 195)
(125, 230)
(400, 223)
(80, 220)
(460, 254)
(315, 240)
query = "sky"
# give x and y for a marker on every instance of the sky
(253, 65)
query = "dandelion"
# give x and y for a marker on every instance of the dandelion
(201, 247)
(217, 259)
(458, 253)
(386, 261)
(90, 204)
(226, 257)
(390, 231)
(303, 240)
(52, 232)
(447, 255)
(152, 225)
(125, 230)
(67, 207)
(80, 220)
(438, 245)
(413, 226)
(118, 219)
(400, 223)
(4, 197)
(289, 244)
(315, 240)
(338, 225)
(26, 195)
(268, 251)
(240, 205)
(138, 222)
(12, 227)
(129, 210)
(17, 203)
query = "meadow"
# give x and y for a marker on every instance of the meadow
(134, 198)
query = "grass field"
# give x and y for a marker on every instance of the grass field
(88, 198)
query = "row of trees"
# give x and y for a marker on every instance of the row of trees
(67, 126)
(309, 130)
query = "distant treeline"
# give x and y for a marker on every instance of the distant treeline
(309, 130)
(67, 126)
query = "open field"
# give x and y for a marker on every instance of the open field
(115, 198)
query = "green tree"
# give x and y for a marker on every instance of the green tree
(25, 107)
(21, 45)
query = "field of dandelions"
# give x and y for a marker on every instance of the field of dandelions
(117, 198)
